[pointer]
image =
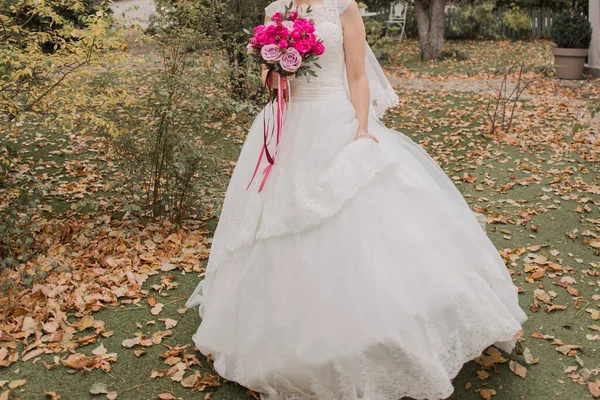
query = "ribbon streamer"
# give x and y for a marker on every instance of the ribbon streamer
(283, 98)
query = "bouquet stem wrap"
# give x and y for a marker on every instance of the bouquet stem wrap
(272, 130)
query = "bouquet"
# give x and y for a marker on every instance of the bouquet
(286, 45)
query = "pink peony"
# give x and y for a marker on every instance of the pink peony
(297, 34)
(271, 53)
(308, 27)
(271, 30)
(303, 46)
(259, 28)
(291, 60)
(318, 49)
(293, 15)
(283, 33)
(261, 38)
(277, 17)
(283, 44)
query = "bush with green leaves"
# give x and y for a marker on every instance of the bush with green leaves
(517, 19)
(233, 17)
(382, 39)
(165, 158)
(572, 30)
(474, 21)
(46, 17)
(17, 226)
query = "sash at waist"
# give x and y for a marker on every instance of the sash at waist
(317, 90)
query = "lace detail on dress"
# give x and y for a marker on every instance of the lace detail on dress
(274, 7)
(371, 375)
(382, 98)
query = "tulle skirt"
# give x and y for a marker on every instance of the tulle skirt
(359, 272)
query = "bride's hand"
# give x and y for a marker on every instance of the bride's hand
(274, 77)
(361, 133)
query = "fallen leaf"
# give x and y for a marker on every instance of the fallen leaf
(78, 361)
(594, 388)
(16, 383)
(487, 394)
(100, 350)
(99, 388)
(518, 369)
(157, 309)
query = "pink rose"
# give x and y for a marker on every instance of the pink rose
(318, 49)
(253, 51)
(283, 44)
(289, 25)
(303, 46)
(291, 60)
(293, 15)
(271, 53)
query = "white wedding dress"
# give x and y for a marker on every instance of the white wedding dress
(359, 272)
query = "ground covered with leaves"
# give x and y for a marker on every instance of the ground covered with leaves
(98, 310)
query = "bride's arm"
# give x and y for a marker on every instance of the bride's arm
(354, 49)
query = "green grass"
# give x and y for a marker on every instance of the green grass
(482, 58)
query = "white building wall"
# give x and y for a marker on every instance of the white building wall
(594, 55)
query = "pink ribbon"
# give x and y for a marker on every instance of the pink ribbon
(283, 98)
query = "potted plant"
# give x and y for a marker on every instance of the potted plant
(362, 7)
(572, 33)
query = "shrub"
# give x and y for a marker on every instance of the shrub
(165, 157)
(44, 45)
(517, 19)
(380, 39)
(16, 226)
(572, 30)
(475, 21)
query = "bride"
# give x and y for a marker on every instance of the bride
(359, 272)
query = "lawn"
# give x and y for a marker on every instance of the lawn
(120, 283)
(468, 58)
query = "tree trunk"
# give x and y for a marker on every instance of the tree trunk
(431, 19)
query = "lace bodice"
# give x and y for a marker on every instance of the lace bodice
(329, 29)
